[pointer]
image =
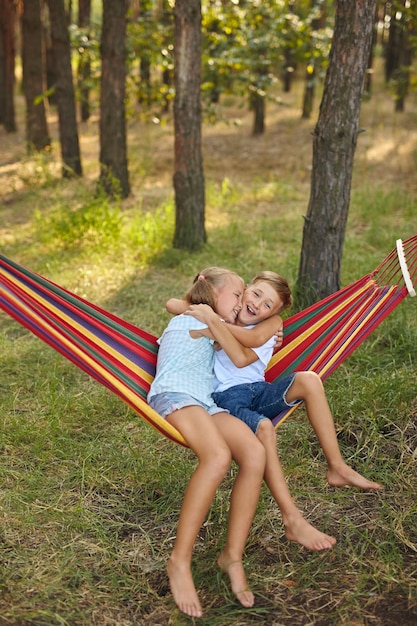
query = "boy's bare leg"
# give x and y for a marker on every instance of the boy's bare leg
(308, 387)
(214, 457)
(296, 526)
(249, 454)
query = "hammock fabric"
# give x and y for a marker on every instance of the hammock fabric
(122, 357)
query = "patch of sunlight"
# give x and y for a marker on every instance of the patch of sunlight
(408, 146)
(383, 149)
(380, 151)
(216, 218)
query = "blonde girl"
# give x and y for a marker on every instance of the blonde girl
(182, 393)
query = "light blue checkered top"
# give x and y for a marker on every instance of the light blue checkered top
(184, 365)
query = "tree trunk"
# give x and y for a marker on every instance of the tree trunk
(310, 81)
(144, 11)
(334, 146)
(402, 75)
(257, 105)
(84, 63)
(64, 89)
(190, 231)
(165, 17)
(7, 61)
(317, 23)
(392, 54)
(33, 59)
(288, 70)
(370, 69)
(114, 176)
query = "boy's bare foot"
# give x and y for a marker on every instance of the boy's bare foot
(238, 582)
(183, 589)
(344, 475)
(299, 530)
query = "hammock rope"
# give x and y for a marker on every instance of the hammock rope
(122, 356)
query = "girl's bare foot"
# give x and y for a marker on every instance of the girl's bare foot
(299, 530)
(238, 582)
(183, 589)
(344, 475)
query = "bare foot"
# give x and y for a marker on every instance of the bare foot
(238, 582)
(344, 475)
(299, 530)
(182, 588)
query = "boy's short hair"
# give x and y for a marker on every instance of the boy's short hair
(279, 283)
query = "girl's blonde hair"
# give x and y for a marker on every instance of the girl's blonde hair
(206, 283)
(278, 283)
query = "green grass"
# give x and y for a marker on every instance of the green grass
(90, 494)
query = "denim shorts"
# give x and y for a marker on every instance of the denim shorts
(255, 402)
(167, 403)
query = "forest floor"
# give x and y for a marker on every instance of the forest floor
(385, 154)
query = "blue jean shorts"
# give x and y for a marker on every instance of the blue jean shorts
(255, 402)
(167, 403)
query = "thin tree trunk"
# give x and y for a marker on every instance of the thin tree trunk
(114, 175)
(370, 68)
(334, 146)
(310, 81)
(257, 106)
(33, 63)
(7, 60)
(190, 231)
(402, 75)
(64, 89)
(84, 63)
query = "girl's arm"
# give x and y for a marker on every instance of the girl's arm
(176, 306)
(220, 331)
(251, 338)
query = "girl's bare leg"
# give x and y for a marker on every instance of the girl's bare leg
(249, 454)
(296, 526)
(307, 386)
(214, 456)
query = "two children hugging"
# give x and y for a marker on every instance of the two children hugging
(246, 342)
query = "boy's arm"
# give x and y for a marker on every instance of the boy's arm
(259, 334)
(220, 331)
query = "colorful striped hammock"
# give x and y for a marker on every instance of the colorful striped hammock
(122, 356)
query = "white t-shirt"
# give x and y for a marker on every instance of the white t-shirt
(226, 374)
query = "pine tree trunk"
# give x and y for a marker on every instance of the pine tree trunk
(84, 63)
(34, 85)
(190, 231)
(310, 80)
(257, 105)
(334, 144)
(7, 60)
(64, 89)
(114, 175)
